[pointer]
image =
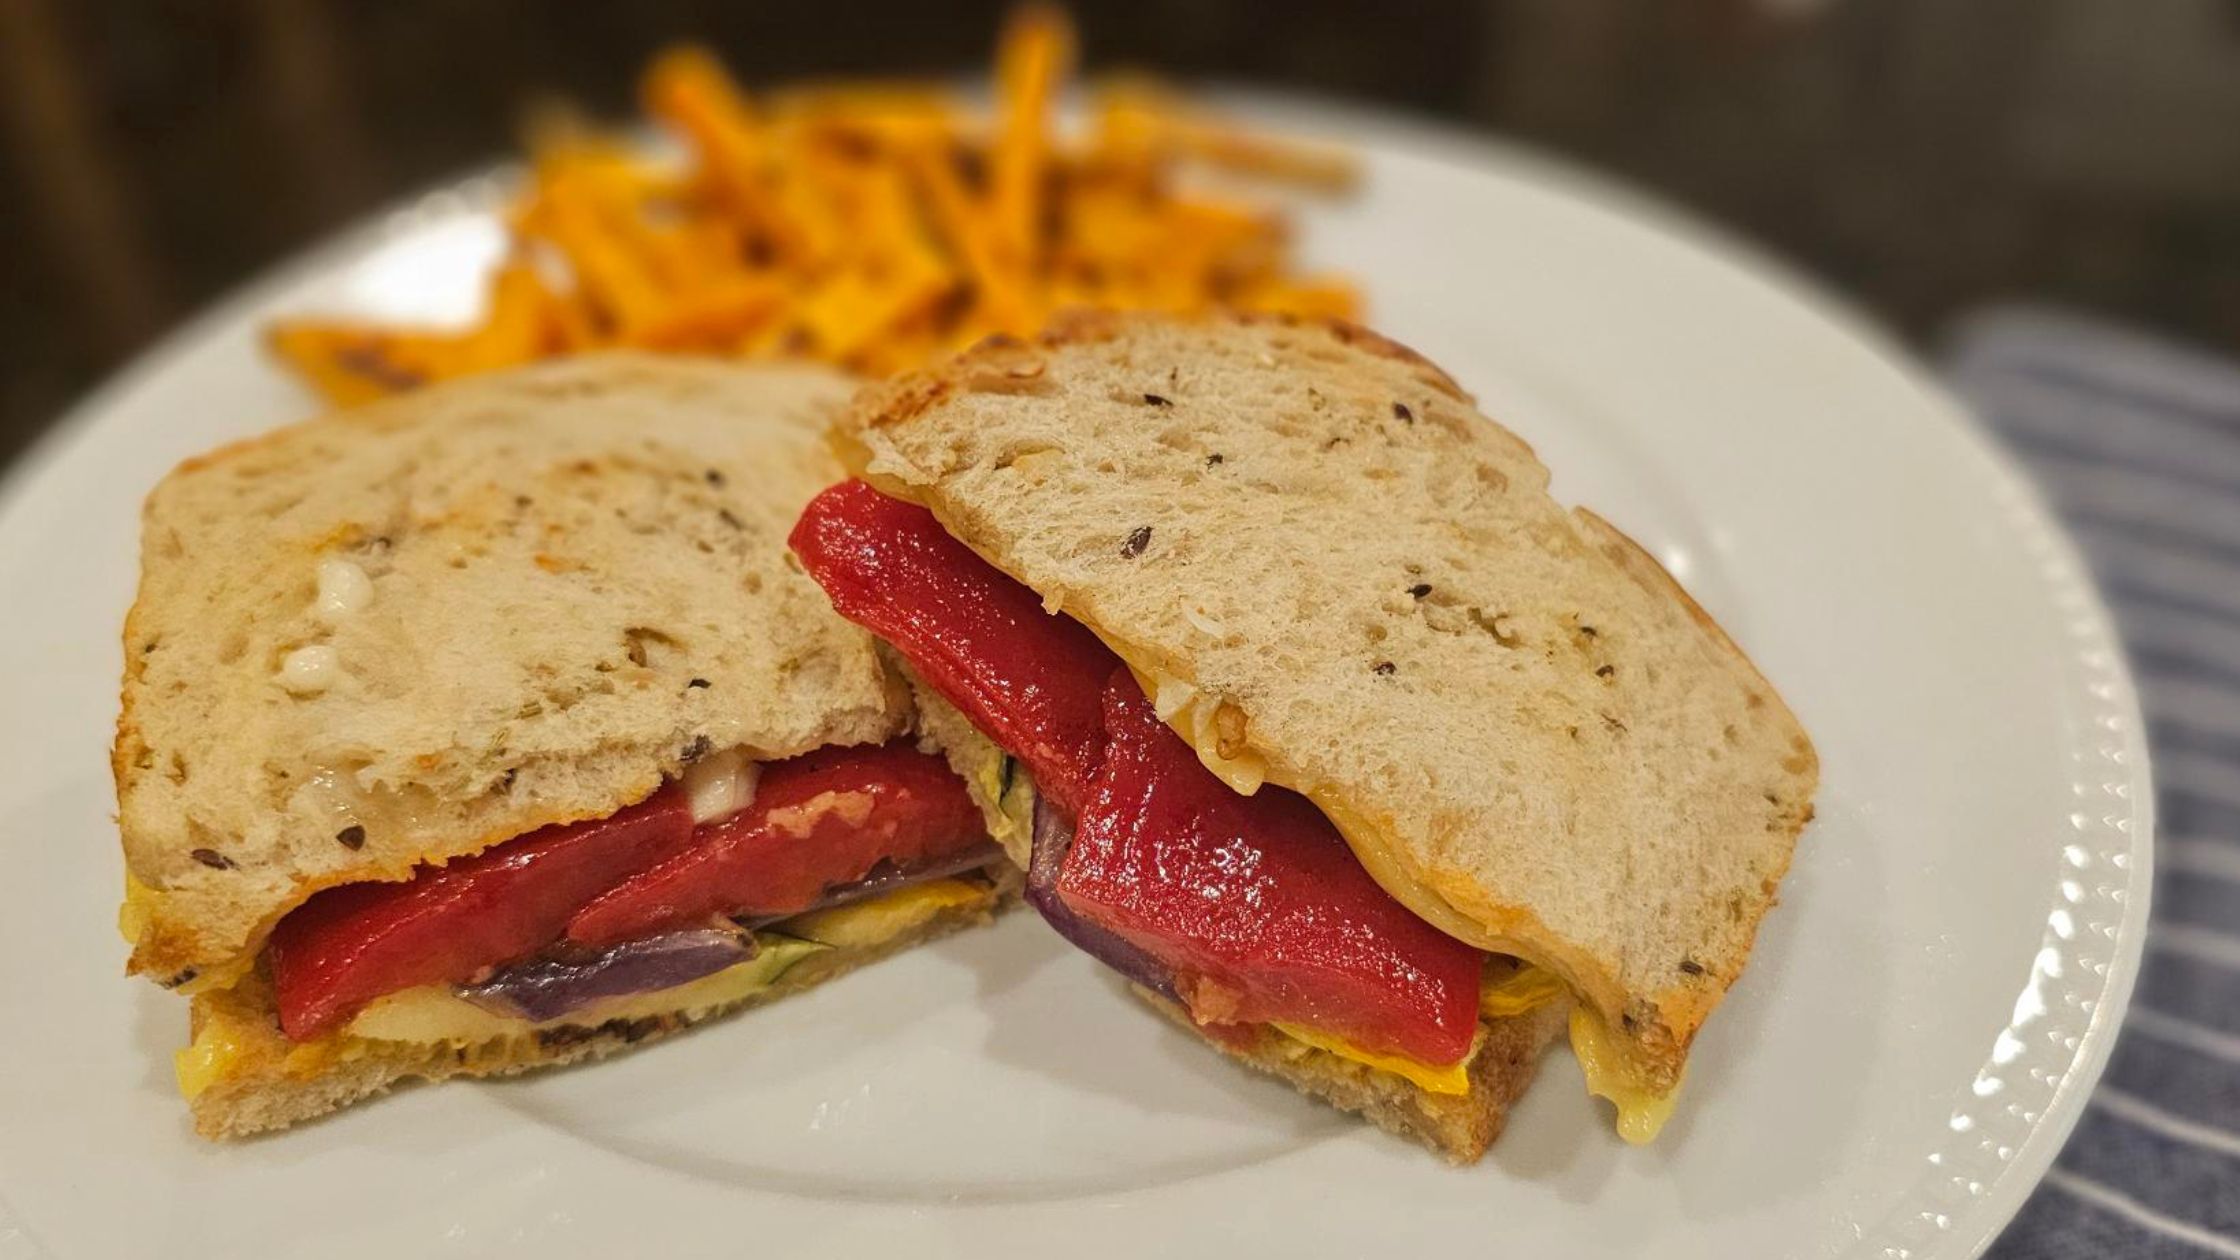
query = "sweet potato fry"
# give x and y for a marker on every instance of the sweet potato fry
(870, 225)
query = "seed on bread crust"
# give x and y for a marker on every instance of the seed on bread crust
(352, 837)
(213, 859)
(1138, 539)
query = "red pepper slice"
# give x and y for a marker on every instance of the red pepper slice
(820, 819)
(1256, 902)
(349, 945)
(1030, 679)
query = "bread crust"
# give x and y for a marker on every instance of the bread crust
(575, 582)
(1525, 728)
(1460, 1127)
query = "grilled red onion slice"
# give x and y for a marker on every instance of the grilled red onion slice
(1053, 836)
(556, 984)
(886, 877)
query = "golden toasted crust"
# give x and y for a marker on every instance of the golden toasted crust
(1458, 1126)
(268, 1091)
(1525, 729)
(574, 581)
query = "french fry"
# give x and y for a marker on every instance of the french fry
(871, 225)
(1037, 51)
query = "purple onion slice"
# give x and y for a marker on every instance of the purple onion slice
(556, 984)
(887, 876)
(1053, 836)
(567, 980)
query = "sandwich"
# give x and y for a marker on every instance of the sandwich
(1334, 732)
(493, 727)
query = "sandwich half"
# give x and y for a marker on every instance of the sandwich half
(493, 727)
(1348, 743)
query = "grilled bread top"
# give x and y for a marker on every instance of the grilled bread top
(1332, 572)
(403, 633)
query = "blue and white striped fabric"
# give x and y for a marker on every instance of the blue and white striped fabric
(2138, 444)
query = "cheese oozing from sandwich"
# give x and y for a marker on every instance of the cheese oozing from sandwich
(1218, 739)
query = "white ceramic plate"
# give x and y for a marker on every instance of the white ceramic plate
(1917, 1032)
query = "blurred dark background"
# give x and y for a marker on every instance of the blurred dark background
(1926, 156)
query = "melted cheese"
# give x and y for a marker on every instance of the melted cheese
(1641, 1110)
(137, 915)
(433, 1013)
(1451, 1079)
(886, 916)
(138, 912)
(219, 976)
(207, 1060)
(1524, 989)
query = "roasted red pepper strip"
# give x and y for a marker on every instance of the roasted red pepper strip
(1030, 679)
(817, 820)
(349, 945)
(1256, 902)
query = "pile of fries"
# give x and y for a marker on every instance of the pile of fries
(870, 227)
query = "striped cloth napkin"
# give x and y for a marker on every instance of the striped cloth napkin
(2137, 443)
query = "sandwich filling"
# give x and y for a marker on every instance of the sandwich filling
(701, 894)
(1247, 909)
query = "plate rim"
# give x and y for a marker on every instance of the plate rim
(1948, 1205)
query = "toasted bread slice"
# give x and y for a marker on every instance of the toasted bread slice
(1459, 1126)
(1333, 573)
(404, 633)
(262, 1081)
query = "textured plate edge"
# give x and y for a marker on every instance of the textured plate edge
(2022, 1114)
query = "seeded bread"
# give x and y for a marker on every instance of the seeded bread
(1527, 731)
(269, 1086)
(1458, 1126)
(573, 581)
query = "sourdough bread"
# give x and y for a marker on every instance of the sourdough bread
(1332, 571)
